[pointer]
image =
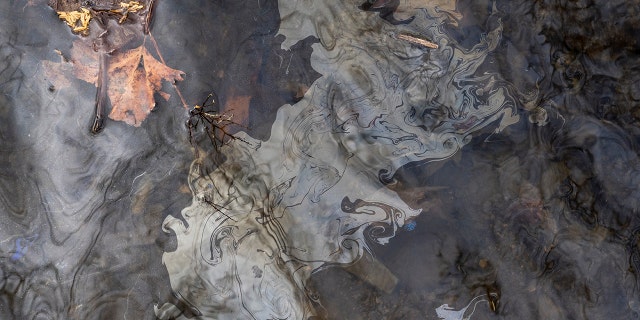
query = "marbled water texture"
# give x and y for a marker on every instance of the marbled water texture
(494, 177)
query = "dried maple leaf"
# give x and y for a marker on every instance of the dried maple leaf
(132, 78)
(127, 79)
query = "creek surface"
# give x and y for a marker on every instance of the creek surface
(495, 176)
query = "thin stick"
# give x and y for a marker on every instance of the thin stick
(155, 45)
(147, 19)
(101, 93)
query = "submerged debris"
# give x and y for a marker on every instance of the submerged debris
(418, 41)
(215, 123)
(79, 18)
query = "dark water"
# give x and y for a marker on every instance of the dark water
(381, 179)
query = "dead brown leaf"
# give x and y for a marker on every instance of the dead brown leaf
(84, 62)
(133, 78)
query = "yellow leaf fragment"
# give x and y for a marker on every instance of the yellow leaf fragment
(131, 6)
(77, 20)
(126, 8)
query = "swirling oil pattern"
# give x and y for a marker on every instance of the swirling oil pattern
(313, 195)
(401, 159)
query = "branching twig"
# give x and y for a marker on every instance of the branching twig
(215, 124)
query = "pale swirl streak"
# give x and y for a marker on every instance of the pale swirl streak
(12, 184)
(266, 219)
(41, 296)
(435, 94)
(234, 273)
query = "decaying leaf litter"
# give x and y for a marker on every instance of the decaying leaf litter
(111, 53)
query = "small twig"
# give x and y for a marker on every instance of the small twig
(418, 41)
(219, 209)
